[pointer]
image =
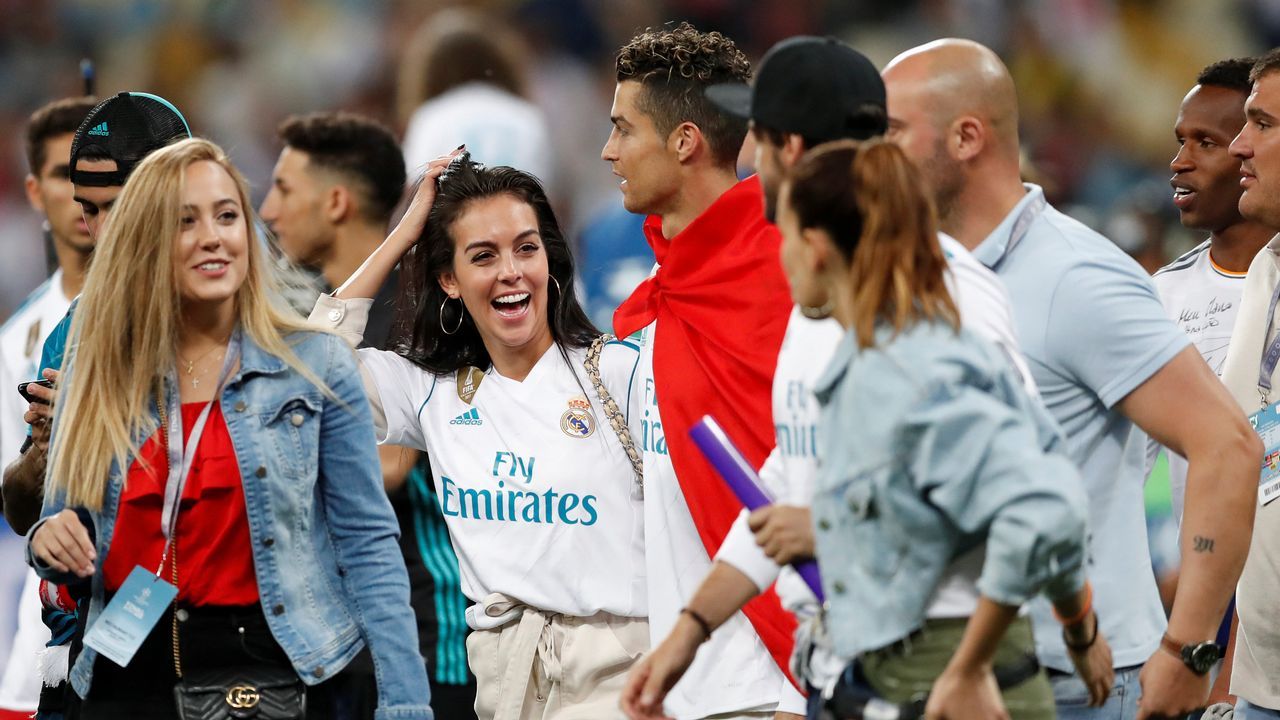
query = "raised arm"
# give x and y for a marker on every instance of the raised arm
(370, 276)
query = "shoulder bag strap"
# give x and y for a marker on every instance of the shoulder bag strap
(611, 411)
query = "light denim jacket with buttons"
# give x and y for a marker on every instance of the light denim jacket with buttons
(330, 574)
(930, 447)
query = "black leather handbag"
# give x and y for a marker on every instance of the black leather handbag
(263, 692)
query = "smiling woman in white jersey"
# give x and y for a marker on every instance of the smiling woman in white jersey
(537, 486)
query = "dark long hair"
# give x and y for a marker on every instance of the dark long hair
(870, 199)
(418, 335)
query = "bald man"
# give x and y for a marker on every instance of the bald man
(1106, 358)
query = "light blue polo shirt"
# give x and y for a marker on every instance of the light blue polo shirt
(1092, 329)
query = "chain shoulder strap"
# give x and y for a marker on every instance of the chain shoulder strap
(611, 411)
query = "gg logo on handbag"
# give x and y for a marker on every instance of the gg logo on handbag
(243, 697)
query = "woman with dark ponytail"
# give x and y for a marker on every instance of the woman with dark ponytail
(501, 378)
(945, 499)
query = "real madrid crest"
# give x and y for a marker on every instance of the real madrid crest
(577, 421)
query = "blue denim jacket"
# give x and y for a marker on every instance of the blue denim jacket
(931, 447)
(329, 571)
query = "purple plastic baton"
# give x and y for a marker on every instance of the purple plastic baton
(738, 474)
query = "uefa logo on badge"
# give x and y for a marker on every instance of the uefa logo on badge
(577, 421)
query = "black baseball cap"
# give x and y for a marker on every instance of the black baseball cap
(810, 86)
(125, 128)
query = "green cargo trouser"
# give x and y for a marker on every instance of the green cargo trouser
(909, 670)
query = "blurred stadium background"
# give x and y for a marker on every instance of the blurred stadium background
(1099, 83)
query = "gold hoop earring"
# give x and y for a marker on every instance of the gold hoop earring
(462, 313)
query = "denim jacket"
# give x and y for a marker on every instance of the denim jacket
(930, 448)
(329, 571)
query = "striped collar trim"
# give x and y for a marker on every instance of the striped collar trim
(1225, 272)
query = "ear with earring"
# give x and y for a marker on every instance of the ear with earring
(462, 313)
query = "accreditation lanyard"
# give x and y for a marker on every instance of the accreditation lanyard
(1270, 353)
(182, 454)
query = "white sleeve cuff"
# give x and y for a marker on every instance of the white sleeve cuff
(348, 318)
(790, 700)
(740, 550)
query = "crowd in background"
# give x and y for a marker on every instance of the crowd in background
(237, 68)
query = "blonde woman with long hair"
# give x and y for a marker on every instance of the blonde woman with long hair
(207, 440)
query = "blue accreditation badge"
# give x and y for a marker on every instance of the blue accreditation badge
(130, 616)
(1266, 422)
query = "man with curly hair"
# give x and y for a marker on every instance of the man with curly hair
(710, 320)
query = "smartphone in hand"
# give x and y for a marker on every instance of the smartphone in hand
(26, 393)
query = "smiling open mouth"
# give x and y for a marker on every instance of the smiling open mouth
(511, 305)
(1182, 197)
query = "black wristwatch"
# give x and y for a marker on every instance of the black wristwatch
(1199, 657)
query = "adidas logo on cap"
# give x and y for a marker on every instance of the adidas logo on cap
(470, 417)
(100, 129)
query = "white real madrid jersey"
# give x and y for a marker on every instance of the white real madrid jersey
(21, 340)
(733, 670)
(1202, 299)
(540, 499)
(789, 471)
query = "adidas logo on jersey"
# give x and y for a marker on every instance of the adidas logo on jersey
(470, 417)
(100, 129)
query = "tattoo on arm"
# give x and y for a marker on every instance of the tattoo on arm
(1202, 544)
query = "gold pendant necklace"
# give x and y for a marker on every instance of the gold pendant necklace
(191, 364)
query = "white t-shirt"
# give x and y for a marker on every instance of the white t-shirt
(733, 671)
(497, 127)
(788, 474)
(21, 340)
(984, 303)
(1202, 299)
(539, 497)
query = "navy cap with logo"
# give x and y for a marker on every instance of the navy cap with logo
(819, 88)
(124, 128)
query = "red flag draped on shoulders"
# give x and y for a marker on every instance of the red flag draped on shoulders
(721, 303)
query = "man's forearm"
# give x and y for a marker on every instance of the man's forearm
(23, 490)
(723, 592)
(1217, 526)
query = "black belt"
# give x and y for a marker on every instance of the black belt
(853, 700)
(1056, 673)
